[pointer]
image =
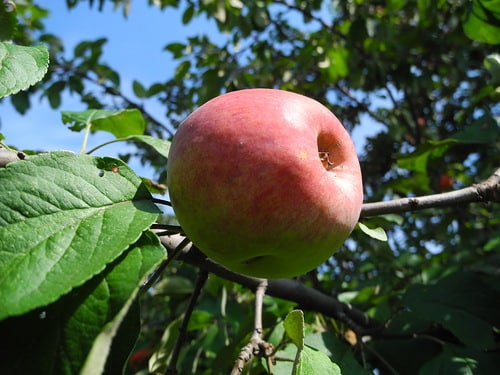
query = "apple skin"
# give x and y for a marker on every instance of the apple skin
(250, 188)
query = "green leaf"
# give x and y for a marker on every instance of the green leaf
(338, 352)
(8, 19)
(161, 146)
(294, 327)
(482, 21)
(458, 360)
(458, 303)
(114, 343)
(492, 63)
(484, 130)
(121, 123)
(337, 66)
(159, 360)
(63, 217)
(62, 335)
(314, 362)
(173, 286)
(21, 67)
(417, 160)
(188, 14)
(377, 233)
(139, 90)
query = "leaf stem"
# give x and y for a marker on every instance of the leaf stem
(88, 125)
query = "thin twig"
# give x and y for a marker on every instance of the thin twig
(256, 345)
(200, 282)
(485, 191)
(162, 201)
(157, 273)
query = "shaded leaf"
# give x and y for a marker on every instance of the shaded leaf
(417, 160)
(68, 328)
(69, 215)
(8, 20)
(116, 339)
(482, 21)
(492, 63)
(458, 303)
(483, 130)
(139, 90)
(161, 146)
(121, 123)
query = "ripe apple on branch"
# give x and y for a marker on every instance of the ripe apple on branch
(265, 182)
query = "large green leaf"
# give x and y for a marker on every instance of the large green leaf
(482, 22)
(63, 217)
(459, 360)
(338, 352)
(96, 323)
(461, 303)
(21, 67)
(121, 123)
(417, 160)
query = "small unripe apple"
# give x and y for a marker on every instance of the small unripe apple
(265, 182)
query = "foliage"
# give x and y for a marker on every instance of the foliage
(75, 237)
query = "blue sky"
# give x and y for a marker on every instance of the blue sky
(134, 48)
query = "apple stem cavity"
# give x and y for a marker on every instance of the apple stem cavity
(324, 156)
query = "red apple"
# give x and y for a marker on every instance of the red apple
(265, 182)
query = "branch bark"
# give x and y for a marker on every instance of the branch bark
(256, 345)
(485, 191)
(292, 290)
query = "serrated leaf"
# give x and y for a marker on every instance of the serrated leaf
(63, 217)
(21, 67)
(61, 336)
(116, 340)
(377, 233)
(294, 327)
(121, 123)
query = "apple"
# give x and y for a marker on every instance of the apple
(265, 182)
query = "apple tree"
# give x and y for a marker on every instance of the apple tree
(98, 277)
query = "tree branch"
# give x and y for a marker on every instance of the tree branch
(485, 191)
(7, 155)
(292, 290)
(256, 345)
